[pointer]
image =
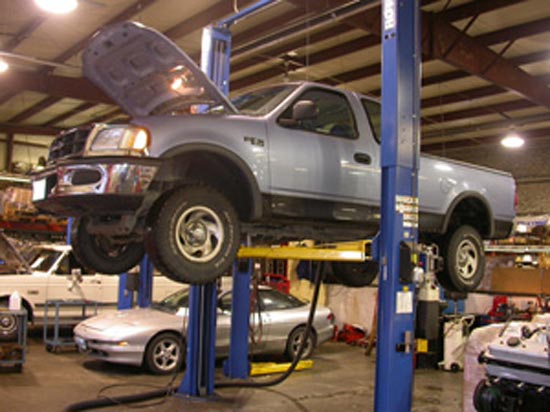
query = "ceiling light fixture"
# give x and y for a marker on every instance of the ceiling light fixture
(3, 66)
(57, 6)
(512, 140)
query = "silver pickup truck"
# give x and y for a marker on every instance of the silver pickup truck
(192, 172)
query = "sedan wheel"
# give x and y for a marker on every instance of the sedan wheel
(164, 354)
(295, 341)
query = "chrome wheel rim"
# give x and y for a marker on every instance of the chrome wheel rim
(295, 345)
(199, 234)
(467, 259)
(166, 355)
(8, 324)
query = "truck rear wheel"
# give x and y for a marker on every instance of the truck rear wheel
(97, 252)
(464, 260)
(194, 235)
(355, 274)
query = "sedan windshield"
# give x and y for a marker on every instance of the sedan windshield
(173, 302)
(260, 102)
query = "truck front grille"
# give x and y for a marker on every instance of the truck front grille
(69, 144)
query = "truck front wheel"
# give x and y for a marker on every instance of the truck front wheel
(194, 235)
(464, 260)
(99, 253)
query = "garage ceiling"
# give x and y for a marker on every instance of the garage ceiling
(486, 63)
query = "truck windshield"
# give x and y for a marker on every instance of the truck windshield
(260, 102)
(45, 260)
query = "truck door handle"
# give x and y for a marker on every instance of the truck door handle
(362, 158)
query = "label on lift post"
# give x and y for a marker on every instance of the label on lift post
(407, 206)
(404, 302)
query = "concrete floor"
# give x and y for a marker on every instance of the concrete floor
(342, 379)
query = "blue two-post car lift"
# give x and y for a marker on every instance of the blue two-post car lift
(398, 236)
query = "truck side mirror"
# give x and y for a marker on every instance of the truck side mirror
(304, 110)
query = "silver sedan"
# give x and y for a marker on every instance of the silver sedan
(155, 337)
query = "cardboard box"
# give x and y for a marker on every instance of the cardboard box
(533, 281)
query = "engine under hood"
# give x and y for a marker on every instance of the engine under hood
(145, 73)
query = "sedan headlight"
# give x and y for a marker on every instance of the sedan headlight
(116, 138)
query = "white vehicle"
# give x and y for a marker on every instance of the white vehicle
(50, 276)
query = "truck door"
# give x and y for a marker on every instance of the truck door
(323, 158)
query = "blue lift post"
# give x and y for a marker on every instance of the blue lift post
(201, 339)
(400, 157)
(237, 365)
(145, 287)
(125, 296)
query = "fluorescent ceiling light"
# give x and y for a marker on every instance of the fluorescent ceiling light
(3, 66)
(512, 141)
(57, 6)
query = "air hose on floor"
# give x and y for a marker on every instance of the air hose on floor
(124, 399)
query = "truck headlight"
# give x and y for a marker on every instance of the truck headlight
(131, 138)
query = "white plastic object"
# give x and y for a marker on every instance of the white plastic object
(15, 301)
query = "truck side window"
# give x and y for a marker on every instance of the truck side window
(373, 110)
(334, 115)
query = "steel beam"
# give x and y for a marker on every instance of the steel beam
(29, 129)
(24, 33)
(26, 144)
(198, 21)
(528, 135)
(431, 136)
(31, 111)
(56, 86)
(75, 48)
(500, 109)
(282, 49)
(70, 113)
(460, 50)
(103, 118)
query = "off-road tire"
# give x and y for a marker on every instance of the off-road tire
(195, 235)
(94, 252)
(355, 274)
(464, 260)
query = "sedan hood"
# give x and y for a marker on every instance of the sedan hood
(125, 318)
(144, 72)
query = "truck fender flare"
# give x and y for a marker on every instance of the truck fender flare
(25, 301)
(468, 195)
(231, 157)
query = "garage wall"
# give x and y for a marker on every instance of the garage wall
(26, 151)
(3, 148)
(27, 156)
(530, 166)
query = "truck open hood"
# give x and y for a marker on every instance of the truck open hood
(145, 73)
(10, 259)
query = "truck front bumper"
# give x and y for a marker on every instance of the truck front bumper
(96, 185)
